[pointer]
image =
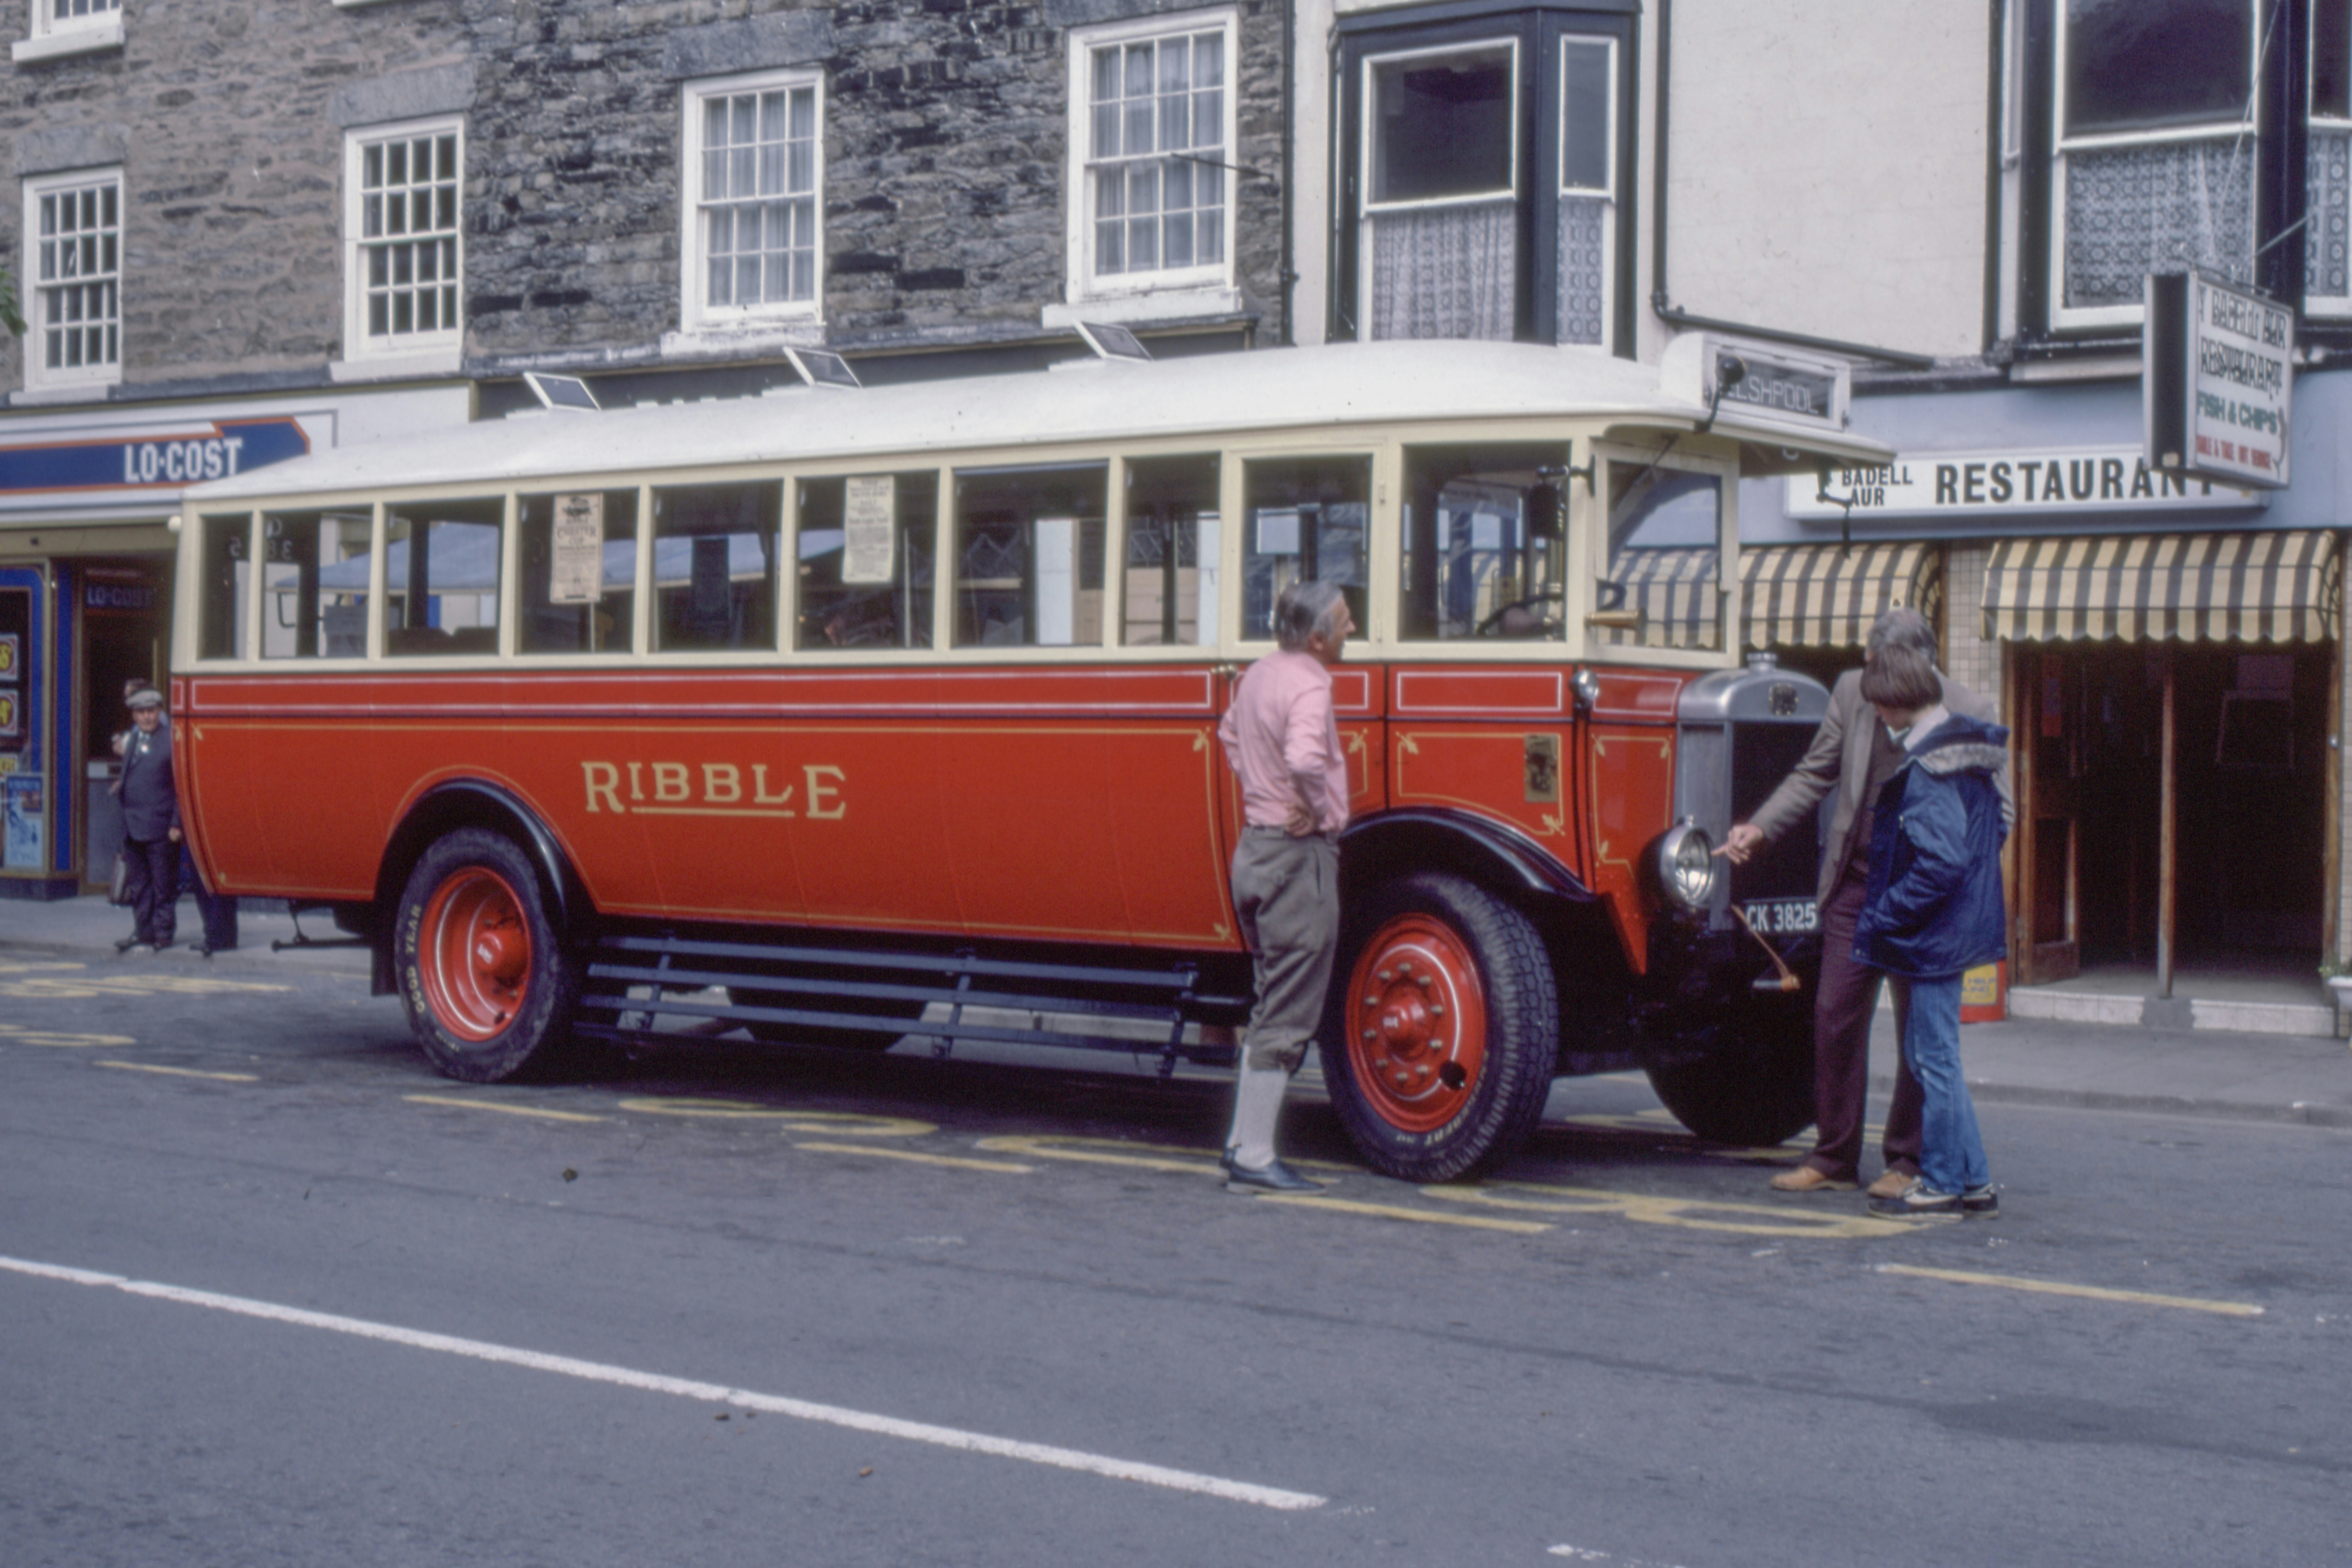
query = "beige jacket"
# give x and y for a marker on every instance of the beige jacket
(1839, 759)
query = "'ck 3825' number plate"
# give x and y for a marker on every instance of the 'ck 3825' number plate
(1779, 917)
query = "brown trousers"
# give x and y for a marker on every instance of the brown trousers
(1844, 1008)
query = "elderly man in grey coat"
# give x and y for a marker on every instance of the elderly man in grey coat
(1853, 754)
(151, 823)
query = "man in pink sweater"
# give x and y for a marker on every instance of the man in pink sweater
(1281, 738)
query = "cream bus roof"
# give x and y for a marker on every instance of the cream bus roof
(1212, 395)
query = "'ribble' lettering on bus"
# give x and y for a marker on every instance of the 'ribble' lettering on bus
(722, 787)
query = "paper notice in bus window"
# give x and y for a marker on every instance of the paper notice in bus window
(578, 557)
(868, 518)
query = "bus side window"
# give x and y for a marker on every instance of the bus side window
(1172, 550)
(715, 550)
(1659, 584)
(579, 568)
(1482, 539)
(1305, 519)
(314, 578)
(228, 573)
(1029, 555)
(865, 553)
(441, 577)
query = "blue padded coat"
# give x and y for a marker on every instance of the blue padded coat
(1933, 906)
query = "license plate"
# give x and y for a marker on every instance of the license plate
(1783, 917)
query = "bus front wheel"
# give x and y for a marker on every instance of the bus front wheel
(482, 971)
(1442, 1031)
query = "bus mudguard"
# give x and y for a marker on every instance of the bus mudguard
(1396, 843)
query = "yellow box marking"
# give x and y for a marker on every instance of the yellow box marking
(1690, 1213)
(2088, 1293)
(464, 1104)
(1397, 1211)
(35, 968)
(1047, 1146)
(51, 988)
(843, 1123)
(180, 1072)
(951, 1162)
(18, 1034)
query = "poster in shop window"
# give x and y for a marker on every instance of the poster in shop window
(12, 658)
(25, 824)
(868, 519)
(577, 567)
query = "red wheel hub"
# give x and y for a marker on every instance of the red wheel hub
(1416, 1020)
(473, 952)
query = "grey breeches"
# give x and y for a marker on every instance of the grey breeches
(1287, 894)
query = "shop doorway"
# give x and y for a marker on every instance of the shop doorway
(2237, 883)
(124, 635)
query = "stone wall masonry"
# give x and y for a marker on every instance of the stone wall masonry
(945, 165)
(232, 169)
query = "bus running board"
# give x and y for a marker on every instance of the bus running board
(632, 981)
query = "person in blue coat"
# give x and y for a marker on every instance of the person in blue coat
(1933, 909)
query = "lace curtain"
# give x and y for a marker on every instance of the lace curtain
(2131, 211)
(1583, 268)
(2328, 245)
(1444, 272)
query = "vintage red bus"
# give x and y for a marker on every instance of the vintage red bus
(838, 716)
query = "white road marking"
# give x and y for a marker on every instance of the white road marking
(705, 1393)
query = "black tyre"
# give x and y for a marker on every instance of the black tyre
(1442, 1031)
(1752, 1092)
(483, 972)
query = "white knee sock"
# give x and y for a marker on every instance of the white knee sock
(1257, 1106)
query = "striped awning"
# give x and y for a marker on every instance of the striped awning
(2189, 587)
(1826, 595)
(1676, 595)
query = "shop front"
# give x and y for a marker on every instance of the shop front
(88, 500)
(2167, 654)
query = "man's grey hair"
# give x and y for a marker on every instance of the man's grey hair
(1305, 608)
(1901, 627)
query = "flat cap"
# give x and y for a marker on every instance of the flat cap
(145, 697)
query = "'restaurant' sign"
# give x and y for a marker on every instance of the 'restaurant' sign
(1981, 484)
(2220, 366)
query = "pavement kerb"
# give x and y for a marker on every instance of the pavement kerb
(2298, 1113)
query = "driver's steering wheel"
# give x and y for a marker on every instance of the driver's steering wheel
(1492, 627)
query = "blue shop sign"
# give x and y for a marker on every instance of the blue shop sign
(215, 451)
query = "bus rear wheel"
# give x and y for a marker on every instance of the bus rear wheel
(483, 973)
(1442, 1031)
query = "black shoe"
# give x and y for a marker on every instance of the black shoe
(1981, 1203)
(128, 943)
(1920, 1201)
(1274, 1176)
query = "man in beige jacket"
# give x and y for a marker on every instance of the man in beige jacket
(1852, 754)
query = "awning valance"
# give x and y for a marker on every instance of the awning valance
(1826, 595)
(2279, 586)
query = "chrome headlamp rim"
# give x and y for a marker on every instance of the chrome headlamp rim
(1685, 865)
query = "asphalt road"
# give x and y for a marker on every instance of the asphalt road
(273, 1293)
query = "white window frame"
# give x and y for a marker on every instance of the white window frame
(1606, 192)
(1367, 97)
(697, 316)
(49, 36)
(34, 289)
(437, 351)
(2061, 316)
(1163, 290)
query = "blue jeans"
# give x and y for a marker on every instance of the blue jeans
(1951, 1154)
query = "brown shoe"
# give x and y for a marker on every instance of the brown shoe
(1893, 1184)
(1809, 1179)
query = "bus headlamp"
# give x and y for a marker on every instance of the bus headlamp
(1686, 863)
